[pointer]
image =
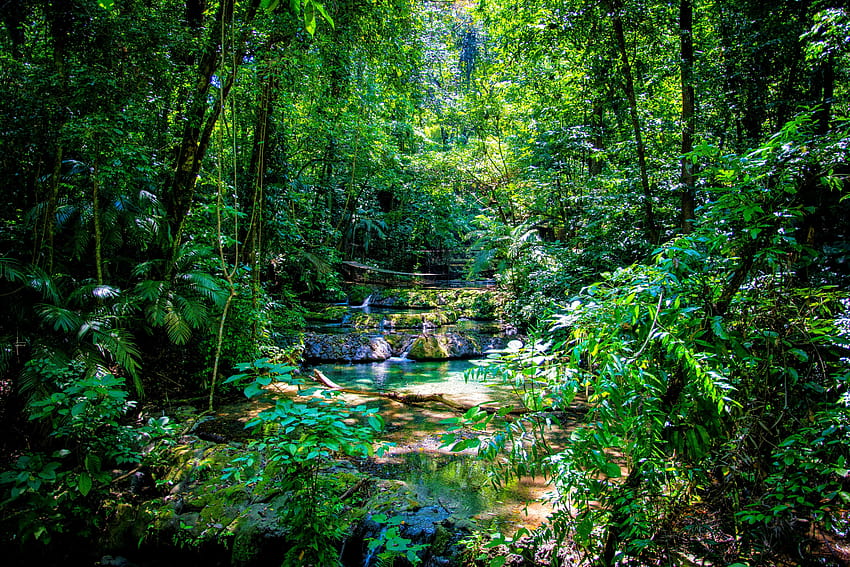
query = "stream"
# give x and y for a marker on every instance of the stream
(455, 482)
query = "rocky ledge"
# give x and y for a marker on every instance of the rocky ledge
(359, 348)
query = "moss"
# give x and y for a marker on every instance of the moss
(429, 347)
(328, 314)
(366, 321)
(471, 303)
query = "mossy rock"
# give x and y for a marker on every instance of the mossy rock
(430, 347)
(399, 343)
(471, 303)
(327, 314)
(366, 320)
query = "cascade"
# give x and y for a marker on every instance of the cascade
(365, 304)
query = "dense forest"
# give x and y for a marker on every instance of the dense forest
(656, 192)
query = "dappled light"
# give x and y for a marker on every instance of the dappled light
(334, 283)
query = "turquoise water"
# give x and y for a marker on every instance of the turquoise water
(399, 374)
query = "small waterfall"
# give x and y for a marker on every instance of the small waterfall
(400, 358)
(365, 303)
(374, 547)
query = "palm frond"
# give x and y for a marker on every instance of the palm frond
(156, 312)
(11, 270)
(178, 330)
(195, 313)
(205, 285)
(143, 268)
(32, 380)
(82, 294)
(118, 345)
(59, 318)
(150, 290)
(43, 283)
(320, 264)
(481, 261)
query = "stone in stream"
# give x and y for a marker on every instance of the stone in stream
(359, 348)
(345, 348)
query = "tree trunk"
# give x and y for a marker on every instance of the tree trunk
(257, 169)
(652, 232)
(200, 121)
(686, 179)
(98, 228)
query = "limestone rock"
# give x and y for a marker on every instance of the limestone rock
(345, 348)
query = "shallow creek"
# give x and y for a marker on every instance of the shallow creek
(454, 481)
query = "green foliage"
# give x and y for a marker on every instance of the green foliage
(295, 440)
(391, 544)
(705, 361)
(61, 490)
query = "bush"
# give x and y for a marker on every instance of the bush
(61, 487)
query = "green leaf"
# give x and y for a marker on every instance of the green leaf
(253, 390)
(612, 470)
(321, 8)
(310, 18)
(376, 422)
(234, 378)
(470, 443)
(84, 483)
(717, 327)
(93, 463)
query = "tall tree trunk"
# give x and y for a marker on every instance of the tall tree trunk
(257, 168)
(615, 8)
(818, 201)
(200, 121)
(686, 178)
(98, 227)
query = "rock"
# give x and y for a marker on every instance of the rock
(345, 348)
(430, 527)
(429, 347)
(444, 346)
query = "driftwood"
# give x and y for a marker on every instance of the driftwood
(362, 483)
(409, 399)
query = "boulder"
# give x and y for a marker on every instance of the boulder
(345, 348)
(429, 528)
(444, 346)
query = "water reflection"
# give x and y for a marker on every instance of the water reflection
(399, 374)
